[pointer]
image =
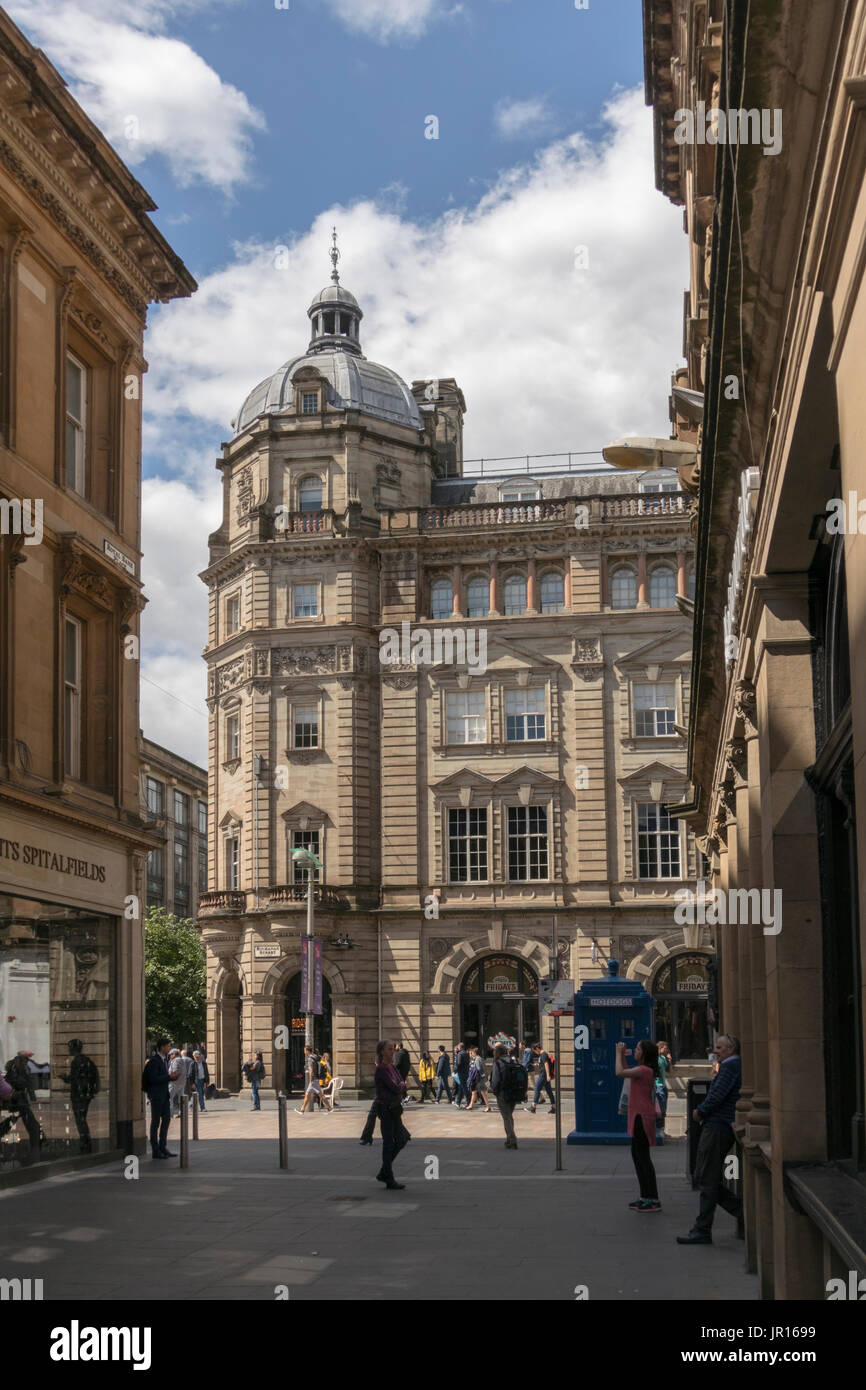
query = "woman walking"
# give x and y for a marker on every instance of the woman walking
(478, 1080)
(390, 1090)
(425, 1076)
(642, 1119)
(666, 1063)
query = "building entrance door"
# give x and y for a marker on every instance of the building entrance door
(296, 1024)
(499, 998)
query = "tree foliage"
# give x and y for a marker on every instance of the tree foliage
(174, 977)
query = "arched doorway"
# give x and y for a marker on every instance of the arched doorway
(681, 994)
(499, 994)
(296, 1024)
(229, 1038)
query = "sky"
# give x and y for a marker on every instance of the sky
(488, 165)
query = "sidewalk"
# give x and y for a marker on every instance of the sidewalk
(495, 1221)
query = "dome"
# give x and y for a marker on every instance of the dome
(353, 383)
(334, 349)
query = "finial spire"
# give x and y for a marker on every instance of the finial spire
(335, 256)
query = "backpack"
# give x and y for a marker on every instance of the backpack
(552, 1064)
(515, 1082)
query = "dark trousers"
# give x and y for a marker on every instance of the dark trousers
(643, 1164)
(426, 1089)
(395, 1136)
(80, 1105)
(443, 1086)
(713, 1147)
(160, 1118)
(542, 1084)
(370, 1127)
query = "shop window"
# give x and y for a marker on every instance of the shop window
(681, 993)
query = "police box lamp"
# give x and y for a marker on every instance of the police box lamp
(645, 453)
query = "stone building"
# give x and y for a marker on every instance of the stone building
(80, 260)
(174, 806)
(772, 398)
(465, 693)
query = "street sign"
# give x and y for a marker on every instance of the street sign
(556, 998)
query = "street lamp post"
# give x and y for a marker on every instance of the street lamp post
(308, 861)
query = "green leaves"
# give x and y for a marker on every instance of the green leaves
(174, 977)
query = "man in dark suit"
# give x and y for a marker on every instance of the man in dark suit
(155, 1080)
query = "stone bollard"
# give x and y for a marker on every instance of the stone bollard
(184, 1134)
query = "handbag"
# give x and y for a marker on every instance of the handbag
(622, 1108)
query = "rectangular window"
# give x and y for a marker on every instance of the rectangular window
(155, 884)
(76, 423)
(305, 726)
(310, 403)
(658, 842)
(233, 737)
(304, 839)
(527, 843)
(655, 709)
(233, 614)
(233, 864)
(467, 845)
(305, 600)
(181, 879)
(524, 715)
(155, 792)
(181, 816)
(72, 663)
(202, 846)
(202, 819)
(466, 716)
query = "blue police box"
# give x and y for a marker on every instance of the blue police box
(611, 1010)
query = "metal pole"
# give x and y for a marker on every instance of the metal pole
(184, 1133)
(284, 1133)
(195, 1115)
(311, 984)
(558, 1091)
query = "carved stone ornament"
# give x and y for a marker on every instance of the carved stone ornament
(296, 661)
(400, 681)
(231, 675)
(263, 662)
(388, 472)
(589, 673)
(245, 492)
(94, 586)
(587, 649)
(746, 705)
(738, 759)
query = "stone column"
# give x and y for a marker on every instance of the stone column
(682, 586)
(458, 607)
(567, 584)
(531, 588)
(604, 596)
(495, 592)
(642, 601)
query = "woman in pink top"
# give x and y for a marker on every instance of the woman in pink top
(642, 1118)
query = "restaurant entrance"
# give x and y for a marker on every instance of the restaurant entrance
(499, 1003)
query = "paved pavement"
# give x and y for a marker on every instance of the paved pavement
(495, 1221)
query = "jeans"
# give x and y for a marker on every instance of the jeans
(713, 1147)
(643, 1164)
(160, 1118)
(506, 1110)
(542, 1084)
(199, 1086)
(443, 1086)
(255, 1086)
(395, 1136)
(461, 1089)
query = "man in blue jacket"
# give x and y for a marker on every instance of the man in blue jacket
(717, 1137)
(154, 1081)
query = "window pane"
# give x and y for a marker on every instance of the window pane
(515, 595)
(655, 709)
(306, 600)
(74, 390)
(310, 493)
(524, 714)
(477, 598)
(663, 588)
(71, 648)
(658, 839)
(552, 593)
(306, 726)
(623, 588)
(442, 598)
(466, 716)
(305, 839)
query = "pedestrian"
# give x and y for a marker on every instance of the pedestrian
(403, 1064)
(443, 1071)
(177, 1080)
(199, 1078)
(544, 1079)
(257, 1076)
(716, 1113)
(642, 1119)
(461, 1074)
(390, 1090)
(83, 1082)
(527, 1058)
(19, 1075)
(478, 1080)
(313, 1087)
(425, 1076)
(155, 1081)
(509, 1084)
(666, 1063)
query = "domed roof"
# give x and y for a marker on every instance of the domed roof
(353, 383)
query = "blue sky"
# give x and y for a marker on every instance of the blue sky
(256, 128)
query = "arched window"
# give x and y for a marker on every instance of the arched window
(681, 991)
(663, 588)
(515, 595)
(552, 593)
(441, 598)
(310, 495)
(477, 598)
(623, 587)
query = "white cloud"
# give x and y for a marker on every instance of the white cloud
(522, 118)
(149, 93)
(390, 19)
(550, 357)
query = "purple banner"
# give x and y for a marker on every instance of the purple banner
(311, 999)
(317, 976)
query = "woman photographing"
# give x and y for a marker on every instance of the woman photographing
(642, 1119)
